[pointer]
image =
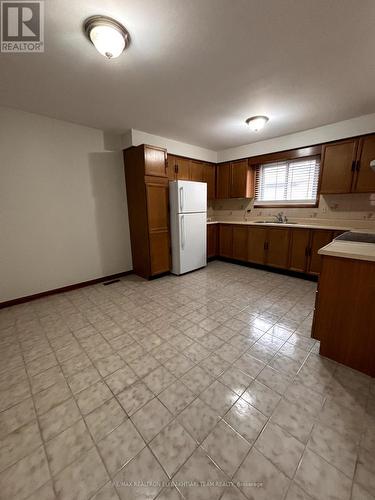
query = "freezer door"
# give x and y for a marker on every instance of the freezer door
(192, 251)
(188, 196)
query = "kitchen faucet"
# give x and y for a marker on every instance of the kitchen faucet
(280, 218)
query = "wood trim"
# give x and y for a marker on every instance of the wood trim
(301, 205)
(290, 154)
(67, 288)
(284, 152)
(154, 147)
(192, 159)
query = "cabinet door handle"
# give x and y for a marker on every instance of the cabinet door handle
(353, 165)
(306, 251)
(358, 165)
(181, 199)
(182, 232)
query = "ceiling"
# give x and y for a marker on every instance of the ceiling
(196, 69)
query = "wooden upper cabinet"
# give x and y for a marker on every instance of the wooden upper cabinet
(338, 164)
(240, 242)
(278, 247)
(197, 171)
(192, 170)
(365, 177)
(299, 249)
(319, 239)
(234, 180)
(171, 167)
(155, 161)
(183, 169)
(242, 180)
(209, 177)
(256, 245)
(223, 177)
(226, 240)
(204, 172)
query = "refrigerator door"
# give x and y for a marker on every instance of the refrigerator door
(189, 250)
(188, 197)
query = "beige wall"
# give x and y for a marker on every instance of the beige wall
(344, 210)
(63, 210)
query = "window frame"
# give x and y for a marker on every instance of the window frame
(281, 204)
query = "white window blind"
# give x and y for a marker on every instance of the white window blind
(287, 182)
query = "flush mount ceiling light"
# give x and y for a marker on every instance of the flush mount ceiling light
(256, 123)
(109, 37)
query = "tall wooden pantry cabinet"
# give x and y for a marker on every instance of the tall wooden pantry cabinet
(148, 201)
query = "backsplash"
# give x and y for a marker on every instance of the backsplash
(351, 210)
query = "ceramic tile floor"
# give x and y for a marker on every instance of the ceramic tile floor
(210, 380)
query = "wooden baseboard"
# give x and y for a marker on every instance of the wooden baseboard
(68, 288)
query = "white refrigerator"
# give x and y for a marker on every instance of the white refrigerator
(188, 212)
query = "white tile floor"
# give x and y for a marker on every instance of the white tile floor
(210, 379)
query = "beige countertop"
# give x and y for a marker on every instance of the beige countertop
(274, 224)
(349, 250)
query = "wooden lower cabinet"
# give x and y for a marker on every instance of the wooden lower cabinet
(159, 252)
(304, 247)
(299, 249)
(256, 245)
(295, 249)
(319, 238)
(239, 251)
(226, 240)
(212, 240)
(344, 315)
(277, 249)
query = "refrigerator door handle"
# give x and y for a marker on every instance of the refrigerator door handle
(182, 232)
(181, 199)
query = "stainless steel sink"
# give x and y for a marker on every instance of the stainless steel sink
(273, 222)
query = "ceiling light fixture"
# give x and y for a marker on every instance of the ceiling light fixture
(256, 123)
(109, 37)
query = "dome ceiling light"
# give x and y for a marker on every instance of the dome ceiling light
(256, 123)
(109, 37)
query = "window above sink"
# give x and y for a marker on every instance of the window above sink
(288, 183)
